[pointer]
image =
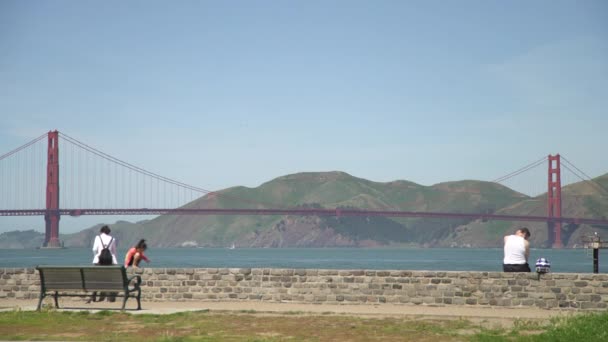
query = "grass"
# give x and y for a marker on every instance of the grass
(295, 326)
(584, 327)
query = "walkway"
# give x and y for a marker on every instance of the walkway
(369, 310)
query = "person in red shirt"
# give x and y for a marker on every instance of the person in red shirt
(136, 254)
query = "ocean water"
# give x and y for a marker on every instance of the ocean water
(435, 259)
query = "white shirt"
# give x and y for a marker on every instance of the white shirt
(515, 250)
(97, 247)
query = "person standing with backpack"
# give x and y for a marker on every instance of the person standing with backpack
(103, 243)
(104, 254)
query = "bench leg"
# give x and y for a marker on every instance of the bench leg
(92, 298)
(124, 300)
(42, 295)
(138, 298)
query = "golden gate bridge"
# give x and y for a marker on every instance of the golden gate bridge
(95, 183)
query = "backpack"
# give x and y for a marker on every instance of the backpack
(105, 257)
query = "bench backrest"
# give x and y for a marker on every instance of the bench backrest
(90, 278)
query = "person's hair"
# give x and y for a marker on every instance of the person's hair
(525, 231)
(105, 230)
(141, 245)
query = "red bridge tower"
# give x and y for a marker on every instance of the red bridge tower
(554, 201)
(51, 218)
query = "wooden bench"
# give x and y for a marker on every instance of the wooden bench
(66, 280)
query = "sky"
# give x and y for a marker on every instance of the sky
(224, 93)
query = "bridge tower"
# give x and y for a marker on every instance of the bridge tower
(554, 201)
(51, 218)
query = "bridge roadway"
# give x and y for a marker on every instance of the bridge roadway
(303, 212)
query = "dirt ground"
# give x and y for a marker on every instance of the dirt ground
(492, 316)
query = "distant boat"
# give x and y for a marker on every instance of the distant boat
(232, 247)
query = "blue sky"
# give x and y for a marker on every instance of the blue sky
(225, 93)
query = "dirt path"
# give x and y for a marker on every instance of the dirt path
(380, 310)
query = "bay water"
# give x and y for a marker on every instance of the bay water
(432, 259)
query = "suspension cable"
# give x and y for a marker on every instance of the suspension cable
(521, 170)
(588, 180)
(154, 175)
(22, 147)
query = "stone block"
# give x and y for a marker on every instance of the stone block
(458, 301)
(312, 272)
(471, 301)
(548, 296)
(416, 301)
(483, 301)
(588, 305)
(601, 290)
(583, 297)
(586, 277)
(564, 283)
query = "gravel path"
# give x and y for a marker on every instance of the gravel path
(282, 308)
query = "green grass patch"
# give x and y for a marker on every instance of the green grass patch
(589, 327)
(52, 325)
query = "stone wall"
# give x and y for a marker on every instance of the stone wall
(552, 291)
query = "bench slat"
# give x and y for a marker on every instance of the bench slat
(62, 279)
(104, 278)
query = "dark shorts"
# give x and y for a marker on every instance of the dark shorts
(515, 267)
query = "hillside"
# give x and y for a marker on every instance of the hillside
(21, 239)
(581, 199)
(326, 190)
(341, 190)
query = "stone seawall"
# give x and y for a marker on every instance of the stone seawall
(483, 289)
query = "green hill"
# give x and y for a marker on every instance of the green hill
(326, 190)
(21, 239)
(341, 190)
(582, 199)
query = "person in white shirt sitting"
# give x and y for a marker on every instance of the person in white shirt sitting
(517, 251)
